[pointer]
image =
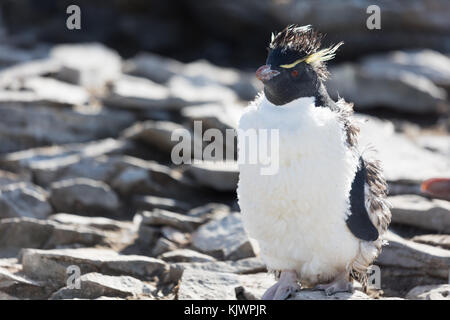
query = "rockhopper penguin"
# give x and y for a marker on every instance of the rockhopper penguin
(319, 220)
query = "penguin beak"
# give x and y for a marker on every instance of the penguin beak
(264, 73)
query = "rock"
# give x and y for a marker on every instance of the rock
(24, 127)
(152, 66)
(218, 285)
(83, 196)
(221, 176)
(191, 91)
(24, 200)
(94, 285)
(185, 255)
(150, 203)
(94, 222)
(163, 245)
(11, 76)
(139, 94)
(210, 211)
(159, 134)
(421, 212)
(434, 143)
(244, 84)
(159, 217)
(424, 62)
(217, 116)
(7, 177)
(320, 295)
(98, 65)
(33, 233)
(438, 240)
(20, 287)
(402, 160)
(407, 254)
(176, 236)
(161, 69)
(432, 292)
(46, 163)
(56, 92)
(403, 91)
(224, 238)
(51, 265)
(147, 236)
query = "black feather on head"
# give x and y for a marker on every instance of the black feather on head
(301, 39)
(300, 42)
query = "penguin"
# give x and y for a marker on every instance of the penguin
(319, 219)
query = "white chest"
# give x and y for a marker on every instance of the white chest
(298, 214)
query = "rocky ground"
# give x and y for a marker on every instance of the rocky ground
(86, 179)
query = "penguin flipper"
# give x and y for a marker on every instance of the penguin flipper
(358, 220)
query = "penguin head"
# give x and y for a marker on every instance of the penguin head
(295, 65)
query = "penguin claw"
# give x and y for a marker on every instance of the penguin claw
(286, 287)
(339, 285)
(286, 291)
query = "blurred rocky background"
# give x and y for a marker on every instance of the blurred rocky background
(86, 116)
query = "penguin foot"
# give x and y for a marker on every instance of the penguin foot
(340, 284)
(286, 287)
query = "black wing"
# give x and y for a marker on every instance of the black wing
(358, 221)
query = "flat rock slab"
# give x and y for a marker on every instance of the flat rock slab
(431, 292)
(243, 266)
(23, 126)
(24, 200)
(224, 238)
(438, 240)
(52, 264)
(83, 196)
(34, 233)
(206, 285)
(95, 285)
(160, 217)
(401, 159)
(19, 286)
(98, 65)
(320, 295)
(94, 222)
(186, 255)
(421, 212)
(407, 254)
(221, 176)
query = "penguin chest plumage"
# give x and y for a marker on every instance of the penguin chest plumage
(297, 214)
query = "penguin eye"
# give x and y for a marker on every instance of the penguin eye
(294, 73)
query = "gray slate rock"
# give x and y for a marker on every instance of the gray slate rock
(407, 254)
(24, 200)
(438, 240)
(219, 285)
(83, 196)
(56, 92)
(185, 255)
(93, 222)
(402, 159)
(431, 292)
(421, 212)
(160, 217)
(98, 66)
(94, 285)
(221, 176)
(24, 127)
(403, 91)
(33, 233)
(150, 203)
(51, 265)
(224, 238)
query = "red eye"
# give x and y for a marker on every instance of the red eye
(294, 73)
